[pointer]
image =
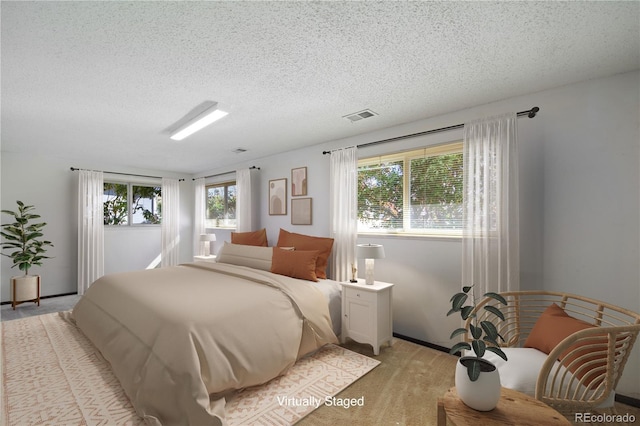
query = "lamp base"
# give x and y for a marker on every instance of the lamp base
(368, 271)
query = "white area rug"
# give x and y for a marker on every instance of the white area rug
(52, 374)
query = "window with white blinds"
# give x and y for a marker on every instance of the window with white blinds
(415, 192)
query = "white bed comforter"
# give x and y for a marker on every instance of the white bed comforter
(179, 338)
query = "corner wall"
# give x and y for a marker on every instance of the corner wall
(49, 185)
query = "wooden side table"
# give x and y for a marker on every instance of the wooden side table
(514, 408)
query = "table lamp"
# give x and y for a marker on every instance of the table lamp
(369, 252)
(207, 239)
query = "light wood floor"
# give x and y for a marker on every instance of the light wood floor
(404, 390)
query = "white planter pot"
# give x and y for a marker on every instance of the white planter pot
(484, 393)
(26, 287)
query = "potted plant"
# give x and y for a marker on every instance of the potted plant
(24, 239)
(477, 380)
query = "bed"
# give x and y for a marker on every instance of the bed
(181, 338)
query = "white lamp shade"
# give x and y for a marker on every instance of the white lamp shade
(207, 237)
(370, 251)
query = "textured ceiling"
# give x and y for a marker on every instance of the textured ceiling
(101, 81)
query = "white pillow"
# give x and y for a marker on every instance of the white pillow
(521, 370)
(256, 257)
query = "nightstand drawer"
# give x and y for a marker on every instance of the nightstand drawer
(354, 293)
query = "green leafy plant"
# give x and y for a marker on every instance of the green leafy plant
(484, 336)
(116, 204)
(24, 238)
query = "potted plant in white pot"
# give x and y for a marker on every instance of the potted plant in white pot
(477, 380)
(23, 239)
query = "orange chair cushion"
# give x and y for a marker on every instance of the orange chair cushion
(553, 326)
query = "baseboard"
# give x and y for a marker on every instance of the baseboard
(44, 297)
(422, 343)
(627, 400)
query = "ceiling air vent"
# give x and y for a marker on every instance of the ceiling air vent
(357, 116)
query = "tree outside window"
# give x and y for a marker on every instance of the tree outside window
(436, 192)
(145, 202)
(221, 205)
(115, 204)
(417, 192)
(380, 196)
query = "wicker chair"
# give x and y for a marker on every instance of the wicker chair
(583, 370)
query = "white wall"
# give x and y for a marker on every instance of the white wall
(49, 185)
(279, 167)
(46, 184)
(591, 215)
(426, 271)
(130, 248)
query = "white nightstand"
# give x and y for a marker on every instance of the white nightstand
(211, 258)
(367, 315)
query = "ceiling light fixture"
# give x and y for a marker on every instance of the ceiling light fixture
(202, 120)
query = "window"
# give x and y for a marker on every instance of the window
(221, 205)
(115, 198)
(135, 204)
(416, 192)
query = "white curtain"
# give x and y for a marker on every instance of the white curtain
(343, 211)
(170, 222)
(243, 201)
(200, 212)
(90, 228)
(490, 244)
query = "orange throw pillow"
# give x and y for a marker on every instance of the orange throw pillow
(295, 263)
(553, 326)
(254, 238)
(306, 242)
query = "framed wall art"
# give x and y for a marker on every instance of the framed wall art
(278, 196)
(301, 211)
(298, 181)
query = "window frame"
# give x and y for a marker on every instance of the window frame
(225, 184)
(130, 185)
(455, 147)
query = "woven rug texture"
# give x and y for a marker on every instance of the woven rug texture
(52, 374)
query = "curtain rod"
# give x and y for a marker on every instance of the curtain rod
(225, 173)
(73, 169)
(529, 113)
